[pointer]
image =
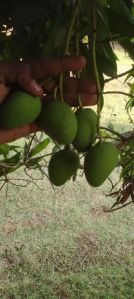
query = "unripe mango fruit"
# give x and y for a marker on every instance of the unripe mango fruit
(100, 160)
(87, 128)
(19, 108)
(58, 121)
(62, 166)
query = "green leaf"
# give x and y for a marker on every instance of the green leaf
(56, 36)
(131, 86)
(108, 50)
(110, 126)
(129, 4)
(103, 2)
(102, 26)
(118, 24)
(129, 104)
(39, 147)
(4, 150)
(103, 30)
(105, 134)
(120, 7)
(14, 159)
(128, 46)
(106, 65)
(130, 75)
(12, 164)
(25, 12)
(106, 60)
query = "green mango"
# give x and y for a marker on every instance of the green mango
(100, 160)
(87, 129)
(18, 109)
(58, 121)
(62, 166)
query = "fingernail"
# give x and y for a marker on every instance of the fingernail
(37, 87)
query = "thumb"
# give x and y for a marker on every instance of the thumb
(20, 74)
(26, 82)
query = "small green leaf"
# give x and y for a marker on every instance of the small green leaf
(130, 75)
(111, 126)
(129, 104)
(12, 164)
(39, 147)
(105, 134)
(4, 150)
(103, 2)
(13, 160)
(13, 148)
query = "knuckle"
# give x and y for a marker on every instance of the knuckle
(22, 73)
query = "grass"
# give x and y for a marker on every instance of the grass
(114, 110)
(61, 244)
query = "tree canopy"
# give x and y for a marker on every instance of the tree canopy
(30, 29)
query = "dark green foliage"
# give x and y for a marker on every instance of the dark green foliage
(128, 45)
(40, 28)
(31, 29)
(23, 12)
(39, 147)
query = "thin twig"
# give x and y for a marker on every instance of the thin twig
(93, 46)
(113, 132)
(118, 92)
(117, 37)
(119, 75)
(119, 208)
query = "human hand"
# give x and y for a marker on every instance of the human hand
(28, 75)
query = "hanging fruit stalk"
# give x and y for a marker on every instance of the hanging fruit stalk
(93, 46)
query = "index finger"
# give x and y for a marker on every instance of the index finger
(55, 66)
(4, 90)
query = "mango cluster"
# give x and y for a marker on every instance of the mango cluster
(76, 131)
